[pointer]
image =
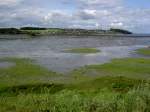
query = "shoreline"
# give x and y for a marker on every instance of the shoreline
(17, 36)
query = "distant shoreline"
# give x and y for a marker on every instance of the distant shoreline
(36, 31)
(25, 36)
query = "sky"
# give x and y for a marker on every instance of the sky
(133, 15)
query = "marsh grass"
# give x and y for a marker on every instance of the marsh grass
(144, 51)
(129, 67)
(24, 72)
(135, 100)
(119, 86)
(83, 50)
(31, 88)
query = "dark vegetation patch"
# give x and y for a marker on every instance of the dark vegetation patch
(32, 88)
(120, 31)
(118, 84)
(32, 28)
(10, 31)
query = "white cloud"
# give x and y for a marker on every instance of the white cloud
(94, 4)
(9, 2)
(119, 24)
(90, 12)
(56, 15)
(87, 14)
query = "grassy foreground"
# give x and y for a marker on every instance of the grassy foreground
(83, 50)
(119, 86)
(135, 100)
(144, 51)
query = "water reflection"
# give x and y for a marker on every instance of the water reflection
(49, 51)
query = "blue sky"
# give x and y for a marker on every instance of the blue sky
(138, 3)
(133, 15)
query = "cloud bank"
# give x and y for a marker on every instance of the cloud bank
(79, 14)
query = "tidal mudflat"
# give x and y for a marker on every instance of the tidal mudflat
(6, 64)
(46, 79)
(49, 51)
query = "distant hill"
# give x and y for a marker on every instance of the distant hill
(120, 31)
(34, 31)
(10, 31)
(32, 28)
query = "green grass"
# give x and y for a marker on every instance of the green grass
(144, 51)
(119, 86)
(129, 67)
(116, 84)
(135, 100)
(83, 50)
(24, 72)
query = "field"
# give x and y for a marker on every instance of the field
(42, 32)
(119, 86)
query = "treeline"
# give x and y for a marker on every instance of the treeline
(60, 31)
(79, 30)
(10, 31)
(32, 28)
(120, 31)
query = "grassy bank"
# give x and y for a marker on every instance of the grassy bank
(24, 72)
(119, 86)
(128, 67)
(144, 51)
(83, 50)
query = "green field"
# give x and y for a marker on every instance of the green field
(119, 86)
(42, 32)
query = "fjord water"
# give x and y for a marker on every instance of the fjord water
(49, 51)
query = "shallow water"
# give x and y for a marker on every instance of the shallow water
(6, 64)
(49, 51)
